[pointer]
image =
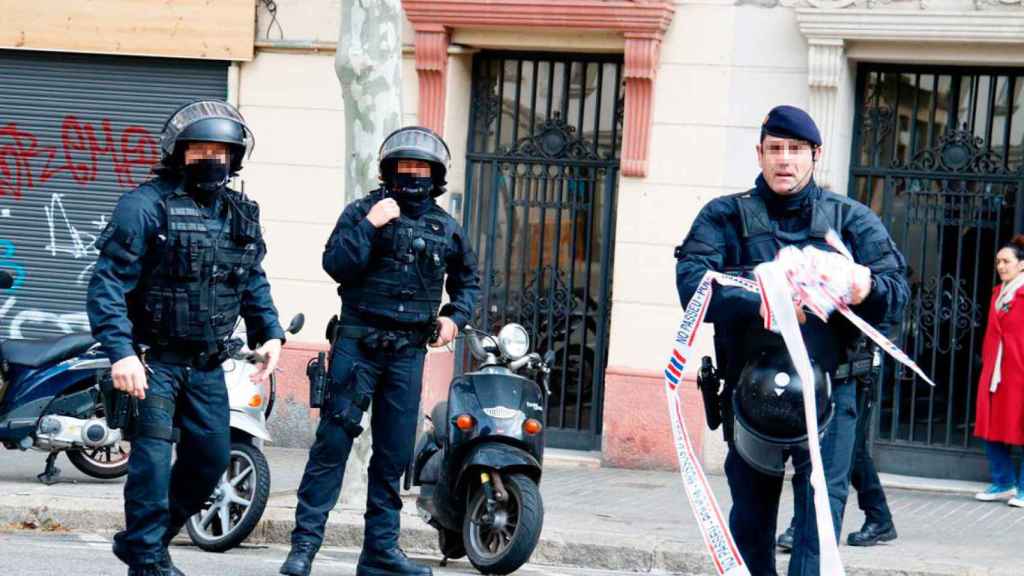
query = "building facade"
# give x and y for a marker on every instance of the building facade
(586, 135)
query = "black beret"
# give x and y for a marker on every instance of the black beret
(790, 122)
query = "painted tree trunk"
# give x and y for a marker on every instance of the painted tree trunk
(369, 65)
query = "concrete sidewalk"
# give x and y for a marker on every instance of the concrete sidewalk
(596, 517)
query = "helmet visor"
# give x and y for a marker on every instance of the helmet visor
(416, 143)
(202, 110)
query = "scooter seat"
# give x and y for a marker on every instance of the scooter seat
(36, 353)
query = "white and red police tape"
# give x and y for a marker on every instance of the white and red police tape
(820, 281)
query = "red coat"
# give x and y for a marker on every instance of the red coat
(1001, 415)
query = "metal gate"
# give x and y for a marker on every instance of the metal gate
(76, 132)
(938, 153)
(541, 175)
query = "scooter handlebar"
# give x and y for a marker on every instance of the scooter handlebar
(475, 347)
(527, 360)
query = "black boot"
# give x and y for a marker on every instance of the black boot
(392, 562)
(300, 559)
(785, 542)
(872, 533)
(166, 564)
(147, 570)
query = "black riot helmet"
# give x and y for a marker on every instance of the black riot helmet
(205, 121)
(768, 406)
(414, 143)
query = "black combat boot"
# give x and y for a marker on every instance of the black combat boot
(148, 570)
(785, 542)
(872, 533)
(166, 564)
(300, 559)
(392, 562)
(169, 535)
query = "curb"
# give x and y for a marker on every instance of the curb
(919, 484)
(581, 549)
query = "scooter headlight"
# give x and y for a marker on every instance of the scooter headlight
(514, 341)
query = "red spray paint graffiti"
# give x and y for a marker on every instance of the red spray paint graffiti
(24, 164)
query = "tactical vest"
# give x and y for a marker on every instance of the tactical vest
(402, 284)
(193, 295)
(761, 237)
(760, 241)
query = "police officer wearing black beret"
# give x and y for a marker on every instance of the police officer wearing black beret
(179, 263)
(391, 253)
(733, 234)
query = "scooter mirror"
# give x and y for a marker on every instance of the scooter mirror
(549, 357)
(6, 280)
(298, 321)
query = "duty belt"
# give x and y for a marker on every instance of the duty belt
(202, 360)
(382, 339)
(858, 367)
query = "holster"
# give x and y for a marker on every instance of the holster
(724, 374)
(708, 383)
(119, 408)
(316, 371)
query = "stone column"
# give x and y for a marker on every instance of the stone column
(825, 64)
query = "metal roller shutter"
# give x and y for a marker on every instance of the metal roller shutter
(76, 132)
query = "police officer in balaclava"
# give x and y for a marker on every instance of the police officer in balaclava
(391, 253)
(178, 264)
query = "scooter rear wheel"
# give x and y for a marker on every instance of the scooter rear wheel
(503, 545)
(105, 463)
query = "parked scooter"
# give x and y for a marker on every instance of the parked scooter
(50, 401)
(479, 467)
(238, 502)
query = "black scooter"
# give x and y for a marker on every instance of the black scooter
(479, 468)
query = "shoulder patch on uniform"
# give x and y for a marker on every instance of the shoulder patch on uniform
(120, 243)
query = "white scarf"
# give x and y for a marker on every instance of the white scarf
(1007, 291)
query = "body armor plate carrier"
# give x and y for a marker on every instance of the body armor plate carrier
(193, 296)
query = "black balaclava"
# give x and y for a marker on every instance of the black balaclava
(413, 193)
(205, 179)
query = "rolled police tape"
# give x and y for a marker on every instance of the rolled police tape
(779, 283)
(777, 295)
(715, 531)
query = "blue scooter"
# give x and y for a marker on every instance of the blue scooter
(50, 401)
(479, 468)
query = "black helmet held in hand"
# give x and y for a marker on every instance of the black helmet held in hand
(768, 405)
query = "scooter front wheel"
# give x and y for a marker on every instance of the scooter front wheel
(237, 503)
(502, 542)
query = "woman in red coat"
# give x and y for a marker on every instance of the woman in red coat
(1000, 420)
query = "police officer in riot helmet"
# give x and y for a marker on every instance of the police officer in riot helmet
(390, 254)
(761, 403)
(178, 264)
